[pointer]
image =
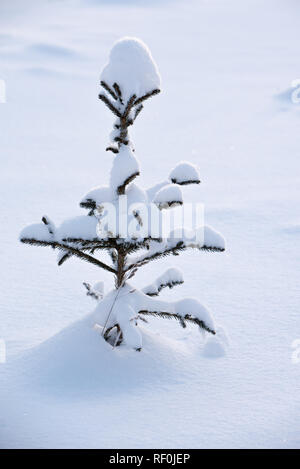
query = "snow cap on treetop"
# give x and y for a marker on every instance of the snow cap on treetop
(132, 67)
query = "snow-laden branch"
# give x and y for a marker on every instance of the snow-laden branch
(72, 250)
(205, 239)
(132, 68)
(169, 278)
(96, 291)
(184, 173)
(180, 318)
(109, 104)
(63, 255)
(169, 196)
(156, 253)
(43, 234)
(121, 308)
(188, 309)
(109, 90)
(81, 230)
(97, 196)
(129, 78)
(124, 170)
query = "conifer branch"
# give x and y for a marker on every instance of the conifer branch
(157, 255)
(169, 284)
(110, 106)
(146, 96)
(108, 89)
(121, 140)
(211, 249)
(91, 243)
(84, 245)
(111, 243)
(137, 111)
(49, 225)
(138, 217)
(121, 189)
(129, 105)
(185, 183)
(63, 258)
(169, 204)
(118, 91)
(135, 245)
(187, 317)
(90, 292)
(171, 251)
(119, 335)
(88, 203)
(74, 251)
(113, 255)
(112, 149)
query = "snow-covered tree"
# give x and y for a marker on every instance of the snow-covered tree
(128, 80)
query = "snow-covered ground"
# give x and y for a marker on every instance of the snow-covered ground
(227, 69)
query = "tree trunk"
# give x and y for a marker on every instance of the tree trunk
(121, 267)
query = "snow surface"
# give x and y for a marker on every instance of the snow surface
(224, 66)
(132, 67)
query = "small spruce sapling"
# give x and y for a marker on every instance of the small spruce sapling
(128, 80)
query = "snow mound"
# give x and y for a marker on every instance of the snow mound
(184, 173)
(129, 302)
(132, 67)
(216, 346)
(78, 361)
